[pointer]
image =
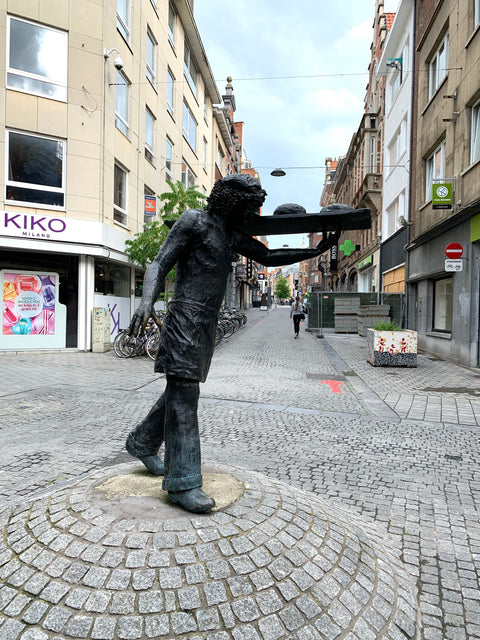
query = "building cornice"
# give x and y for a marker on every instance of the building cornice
(185, 14)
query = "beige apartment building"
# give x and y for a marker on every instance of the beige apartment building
(101, 101)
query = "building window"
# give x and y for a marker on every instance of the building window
(35, 170)
(476, 15)
(189, 127)
(397, 147)
(121, 103)
(475, 141)
(204, 155)
(443, 305)
(438, 67)
(188, 177)
(123, 18)
(120, 182)
(170, 91)
(220, 159)
(168, 159)
(171, 24)
(189, 69)
(373, 155)
(37, 59)
(149, 135)
(151, 58)
(394, 212)
(434, 169)
(205, 103)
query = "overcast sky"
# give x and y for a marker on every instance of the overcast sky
(299, 74)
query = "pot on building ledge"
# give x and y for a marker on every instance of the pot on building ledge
(392, 348)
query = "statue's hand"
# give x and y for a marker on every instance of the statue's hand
(140, 319)
(328, 240)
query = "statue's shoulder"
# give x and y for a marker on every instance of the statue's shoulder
(192, 218)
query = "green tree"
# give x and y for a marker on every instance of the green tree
(179, 199)
(145, 245)
(282, 290)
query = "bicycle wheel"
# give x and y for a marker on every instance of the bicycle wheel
(152, 345)
(218, 334)
(127, 345)
(119, 342)
(227, 327)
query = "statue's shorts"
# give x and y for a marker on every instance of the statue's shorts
(187, 340)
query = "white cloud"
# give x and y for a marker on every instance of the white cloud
(331, 103)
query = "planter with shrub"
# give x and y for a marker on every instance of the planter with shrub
(388, 345)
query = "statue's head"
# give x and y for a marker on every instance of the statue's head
(236, 195)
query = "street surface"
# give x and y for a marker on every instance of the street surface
(398, 447)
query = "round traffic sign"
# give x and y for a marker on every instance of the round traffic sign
(453, 250)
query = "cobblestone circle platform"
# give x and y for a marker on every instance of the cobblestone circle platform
(274, 563)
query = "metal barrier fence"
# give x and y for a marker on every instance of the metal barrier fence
(322, 306)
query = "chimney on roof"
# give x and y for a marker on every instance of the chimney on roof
(228, 98)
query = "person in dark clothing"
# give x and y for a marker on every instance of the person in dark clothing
(202, 243)
(297, 312)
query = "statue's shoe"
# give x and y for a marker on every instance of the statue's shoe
(193, 500)
(151, 462)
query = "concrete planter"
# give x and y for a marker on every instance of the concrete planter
(392, 348)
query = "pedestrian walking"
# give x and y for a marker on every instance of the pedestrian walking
(296, 310)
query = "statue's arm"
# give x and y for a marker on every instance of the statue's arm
(256, 250)
(176, 243)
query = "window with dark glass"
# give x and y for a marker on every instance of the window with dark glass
(35, 169)
(120, 194)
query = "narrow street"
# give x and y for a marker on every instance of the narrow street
(397, 447)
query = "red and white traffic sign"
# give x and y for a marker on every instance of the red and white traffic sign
(453, 250)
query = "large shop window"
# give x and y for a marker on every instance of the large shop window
(37, 59)
(112, 279)
(35, 170)
(120, 195)
(442, 305)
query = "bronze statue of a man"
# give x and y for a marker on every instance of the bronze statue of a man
(202, 243)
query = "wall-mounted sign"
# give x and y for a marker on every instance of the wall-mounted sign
(363, 264)
(442, 195)
(150, 206)
(348, 247)
(453, 265)
(334, 258)
(454, 250)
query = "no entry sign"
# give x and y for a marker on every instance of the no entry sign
(453, 250)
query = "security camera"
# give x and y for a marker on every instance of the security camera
(118, 63)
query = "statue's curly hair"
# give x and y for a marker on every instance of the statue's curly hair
(232, 190)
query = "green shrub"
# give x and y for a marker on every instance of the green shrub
(387, 325)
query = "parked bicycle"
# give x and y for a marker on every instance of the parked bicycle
(126, 346)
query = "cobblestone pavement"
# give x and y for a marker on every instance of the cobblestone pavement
(399, 448)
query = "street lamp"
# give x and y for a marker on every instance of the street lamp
(278, 173)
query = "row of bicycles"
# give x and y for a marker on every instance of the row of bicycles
(127, 346)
